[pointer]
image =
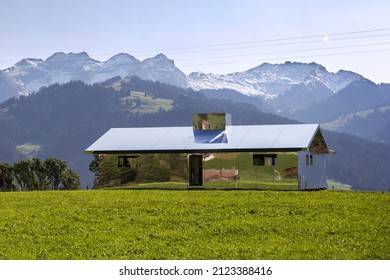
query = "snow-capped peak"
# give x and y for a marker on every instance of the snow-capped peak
(121, 58)
(272, 80)
(159, 59)
(30, 75)
(266, 80)
(61, 57)
(162, 56)
(29, 62)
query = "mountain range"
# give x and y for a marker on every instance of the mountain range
(268, 81)
(302, 91)
(29, 74)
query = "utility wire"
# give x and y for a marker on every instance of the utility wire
(273, 45)
(280, 44)
(288, 57)
(264, 41)
(260, 43)
(279, 52)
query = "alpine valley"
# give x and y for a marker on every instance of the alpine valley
(44, 110)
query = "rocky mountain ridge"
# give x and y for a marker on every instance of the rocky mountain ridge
(29, 74)
(266, 80)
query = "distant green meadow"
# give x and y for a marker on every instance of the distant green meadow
(147, 104)
(161, 224)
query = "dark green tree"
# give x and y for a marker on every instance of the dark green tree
(35, 174)
(39, 170)
(6, 170)
(24, 175)
(70, 180)
(94, 168)
(55, 169)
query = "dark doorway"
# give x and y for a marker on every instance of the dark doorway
(196, 170)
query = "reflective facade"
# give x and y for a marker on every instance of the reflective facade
(220, 170)
(213, 154)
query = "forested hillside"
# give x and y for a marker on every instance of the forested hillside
(358, 162)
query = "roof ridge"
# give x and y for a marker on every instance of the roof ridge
(277, 137)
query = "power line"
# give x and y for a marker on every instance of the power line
(292, 51)
(265, 41)
(280, 44)
(260, 43)
(290, 57)
(283, 44)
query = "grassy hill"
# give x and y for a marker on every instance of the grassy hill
(194, 225)
(139, 102)
(370, 124)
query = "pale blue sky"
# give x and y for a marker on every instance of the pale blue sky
(246, 32)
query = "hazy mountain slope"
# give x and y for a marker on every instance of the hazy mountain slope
(300, 97)
(8, 88)
(367, 161)
(373, 124)
(229, 94)
(360, 95)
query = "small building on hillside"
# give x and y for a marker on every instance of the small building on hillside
(213, 154)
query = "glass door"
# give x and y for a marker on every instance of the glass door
(196, 170)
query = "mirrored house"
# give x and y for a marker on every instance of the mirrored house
(213, 154)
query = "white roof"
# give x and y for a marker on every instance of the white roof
(293, 137)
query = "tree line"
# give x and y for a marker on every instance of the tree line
(36, 174)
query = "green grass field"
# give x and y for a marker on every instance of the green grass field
(148, 104)
(160, 224)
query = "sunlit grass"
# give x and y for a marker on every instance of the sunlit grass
(160, 224)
